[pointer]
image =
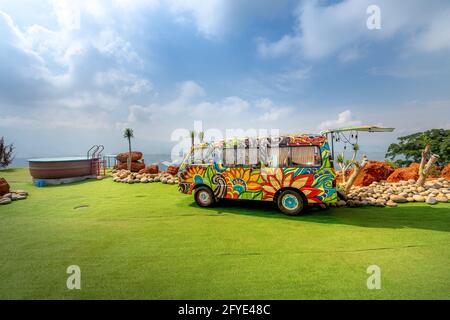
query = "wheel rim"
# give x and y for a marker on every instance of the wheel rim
(290, 202)
(204, 197)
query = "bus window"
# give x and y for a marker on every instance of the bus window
(252, 157)
(306, 156)
(278, 157)
(229, 157)
(240, 156)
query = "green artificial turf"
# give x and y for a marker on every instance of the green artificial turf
(148, 241)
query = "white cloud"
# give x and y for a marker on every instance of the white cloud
(436, 35)
(344, 119)
(322, 30)
(209, 16)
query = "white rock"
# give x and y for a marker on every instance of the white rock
(398, 199)
(391, 203)
(431, 200)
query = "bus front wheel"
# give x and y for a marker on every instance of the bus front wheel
(204, 197)
(290, 203)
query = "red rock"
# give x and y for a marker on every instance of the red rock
(135, 166)
(445, 173)
(152, 169)
(135, 156)
(400, 174)
(4, 187)
(172, 170)
(373, 171)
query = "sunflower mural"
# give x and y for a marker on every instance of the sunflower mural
(276, 179)
(192, 176)
(243, 183)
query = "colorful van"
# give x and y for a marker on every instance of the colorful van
(293, 171)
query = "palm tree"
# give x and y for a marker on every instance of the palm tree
(128, 134)
(192, 134)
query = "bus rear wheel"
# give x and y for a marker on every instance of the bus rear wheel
(290, 203)
(204, 197)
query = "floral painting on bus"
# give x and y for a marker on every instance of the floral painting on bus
(316, 183)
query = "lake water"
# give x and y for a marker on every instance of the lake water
(158, 158)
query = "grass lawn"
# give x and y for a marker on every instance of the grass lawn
(152, 242)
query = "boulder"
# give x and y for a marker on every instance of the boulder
(391, 203)
(135, 156)
(398, 199)
(135, 166)
(445, 173)
(442, 199)
(5, 201)
(4, 187)
(152, 169)
(404, 174)
(173, 170)
(431, 200)
(418, 198)
(374, 171)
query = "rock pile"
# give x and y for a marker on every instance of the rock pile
(136, 163)
(13, 195)
(405, 174)
(126, 176)
(373, 171)
(445, 173)
(390, 194)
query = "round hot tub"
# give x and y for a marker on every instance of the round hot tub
(61, 168)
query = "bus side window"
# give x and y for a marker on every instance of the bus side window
(241, 156)
(306, 156)
(252, 158)
(229, 158)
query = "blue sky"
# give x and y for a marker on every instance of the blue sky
(73, 74)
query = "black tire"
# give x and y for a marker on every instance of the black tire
(290, 203)
(204, 197)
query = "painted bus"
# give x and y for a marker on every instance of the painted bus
(293, 171)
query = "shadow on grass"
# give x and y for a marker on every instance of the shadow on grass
(417, 216)
(66, 185)
(9, 170)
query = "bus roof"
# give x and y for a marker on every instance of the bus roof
(295, 139)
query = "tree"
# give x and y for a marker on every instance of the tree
(128, 134)
(347, 164)
(357, 169)
(426, 164)
(6, 153)
(409, 148)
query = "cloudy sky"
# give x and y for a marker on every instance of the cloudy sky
(73, 74)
